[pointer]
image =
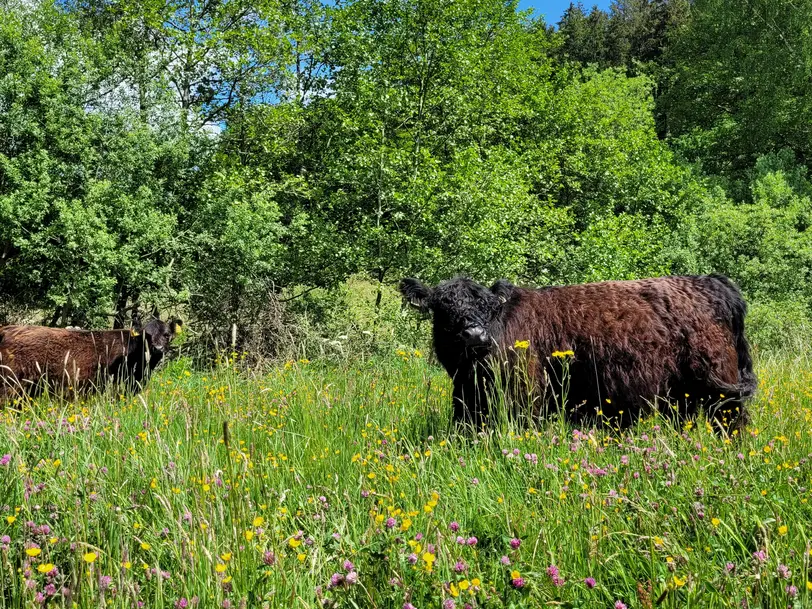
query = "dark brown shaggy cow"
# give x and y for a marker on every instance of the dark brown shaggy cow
(673, 342)
(33, 357)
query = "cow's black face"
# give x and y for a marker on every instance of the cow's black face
(463, 310)
(159, 334)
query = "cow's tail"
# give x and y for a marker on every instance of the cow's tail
(737, 310)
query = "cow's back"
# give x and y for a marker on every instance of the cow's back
(64, 358)
(633, 338)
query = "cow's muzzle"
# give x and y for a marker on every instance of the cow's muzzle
(476, 336)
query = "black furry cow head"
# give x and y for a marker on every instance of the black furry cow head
(157, 336)
(463, 310)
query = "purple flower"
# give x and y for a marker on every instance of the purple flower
(408, 605)
(590, 582)
(505, 561)
(624, 459)
(791, 591)
(474, 481)
(352, 578)
(454, 526)
(515, 543)
(269, 558)
(105, 581)
(5, 460)
(730, 568)
(412, 559)
(783, 572)
(461, 540)
(364, 494)
(552, 571)
(472, 541)
(449, 603)
(348, 566)
(517, 583)
(181, 603)
(760, 556)
(460, 566)
(390, 523)
(620, 605)
(335, 580)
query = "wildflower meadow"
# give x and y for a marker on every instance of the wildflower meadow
(344, 485)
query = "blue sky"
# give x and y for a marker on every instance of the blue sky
(553, 9)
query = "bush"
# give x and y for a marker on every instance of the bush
(774, 326)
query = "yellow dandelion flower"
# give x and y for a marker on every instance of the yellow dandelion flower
(90, 557)
(225, 557)
(45, 568)
(11, 519)
(455, 591)
(475, 582)
(33, 552)
(782, 530)
(294, 543)
(521, 344)
(258, 521)
(515, 575)
(249, 535)
(715, 522)
(220, 567)
(464, 584)
(301, 557)
(145, 546)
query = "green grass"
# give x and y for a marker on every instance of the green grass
(162, 500)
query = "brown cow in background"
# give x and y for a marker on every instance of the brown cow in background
(33, 357)
(675, 343)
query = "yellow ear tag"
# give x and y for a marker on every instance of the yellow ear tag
(178, 329)
(133, 333)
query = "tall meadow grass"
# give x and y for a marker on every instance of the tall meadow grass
(345, 485)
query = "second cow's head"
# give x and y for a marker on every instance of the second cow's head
(158, 334)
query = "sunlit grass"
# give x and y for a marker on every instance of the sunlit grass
(231, 489)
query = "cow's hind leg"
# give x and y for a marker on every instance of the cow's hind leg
(723, 405)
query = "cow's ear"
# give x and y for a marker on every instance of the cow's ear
(176, 327)
(415, 293)
(503, 290)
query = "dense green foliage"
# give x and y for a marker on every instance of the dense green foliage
(226, 161)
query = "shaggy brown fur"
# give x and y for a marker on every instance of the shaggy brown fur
(33, 357)
(677, 342)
